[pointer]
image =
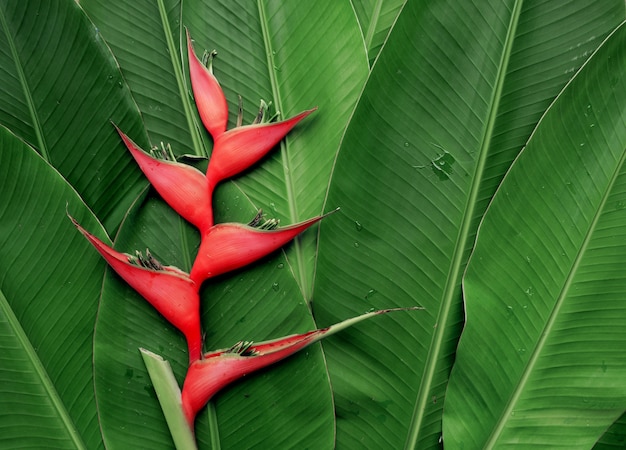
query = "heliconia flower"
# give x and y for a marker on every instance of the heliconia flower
(183, 187)
(236, 150)
(229, 246)
(206, 376)
(208, 94)
(167, 288)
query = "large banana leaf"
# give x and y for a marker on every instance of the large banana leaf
(59, 89)
(292, 57)
(49, 288)
(545, 288)
(454, 94)
(445, 111)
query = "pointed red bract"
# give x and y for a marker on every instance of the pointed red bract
(183, 187)
(230, 246)
(208, 94)
(169, 290)
(238, 149)
(209, 375)
(217, 369)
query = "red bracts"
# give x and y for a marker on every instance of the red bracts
(183, 187)
(167, 288)
(230, 246)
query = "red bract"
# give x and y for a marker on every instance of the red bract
(230, 246)
(168, 289)
(217, 369)
(183, 187)
(208, 94)
(238, 149)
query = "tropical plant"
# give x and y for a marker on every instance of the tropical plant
(475, 148)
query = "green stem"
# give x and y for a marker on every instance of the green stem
(169, 396)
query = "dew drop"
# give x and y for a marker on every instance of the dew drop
(358, 225)
(406, 144)
(280, 265)
(275, 286)
(356, 245)
(529, 291)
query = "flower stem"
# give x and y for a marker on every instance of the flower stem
(168, 393)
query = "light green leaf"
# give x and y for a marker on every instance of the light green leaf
(376, 18)
(49, 291)
(451, 100)
(542, 347)
(59, 89)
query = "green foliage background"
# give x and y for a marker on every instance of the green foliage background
(476, 150)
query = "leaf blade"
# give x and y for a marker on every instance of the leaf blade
(50, 306)
(417, 186)
(61, 87)
(564, 248)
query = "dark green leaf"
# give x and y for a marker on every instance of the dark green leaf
(49, 291)
(542, 347)
(453, 97)
(59, 89)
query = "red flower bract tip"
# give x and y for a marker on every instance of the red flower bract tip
(230, 246)
(208, 94)
(168, 289)
(217, 369)
(238, 149)
(183, 187)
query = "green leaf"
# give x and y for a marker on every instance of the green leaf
(376, 18)
(452, 98)
(59, 89)
(294, 55)
(48, 301)
(295, 58)
(260, 304)
(615, 437)
(542, 347)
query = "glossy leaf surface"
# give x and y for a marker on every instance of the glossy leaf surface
(49, 291)
(59, 89)
(412, 152)
(445, 111)
(545, 285)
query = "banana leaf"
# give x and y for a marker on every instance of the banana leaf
(60, 89)
(545, 286)
(423, 106)
(49, 290)
(445, 111)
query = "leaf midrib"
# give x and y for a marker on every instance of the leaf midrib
(458, 259)
(32, 110)
(554, 315)
(41, 372)
(173, 50)
(371, 30)
(299, 271)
